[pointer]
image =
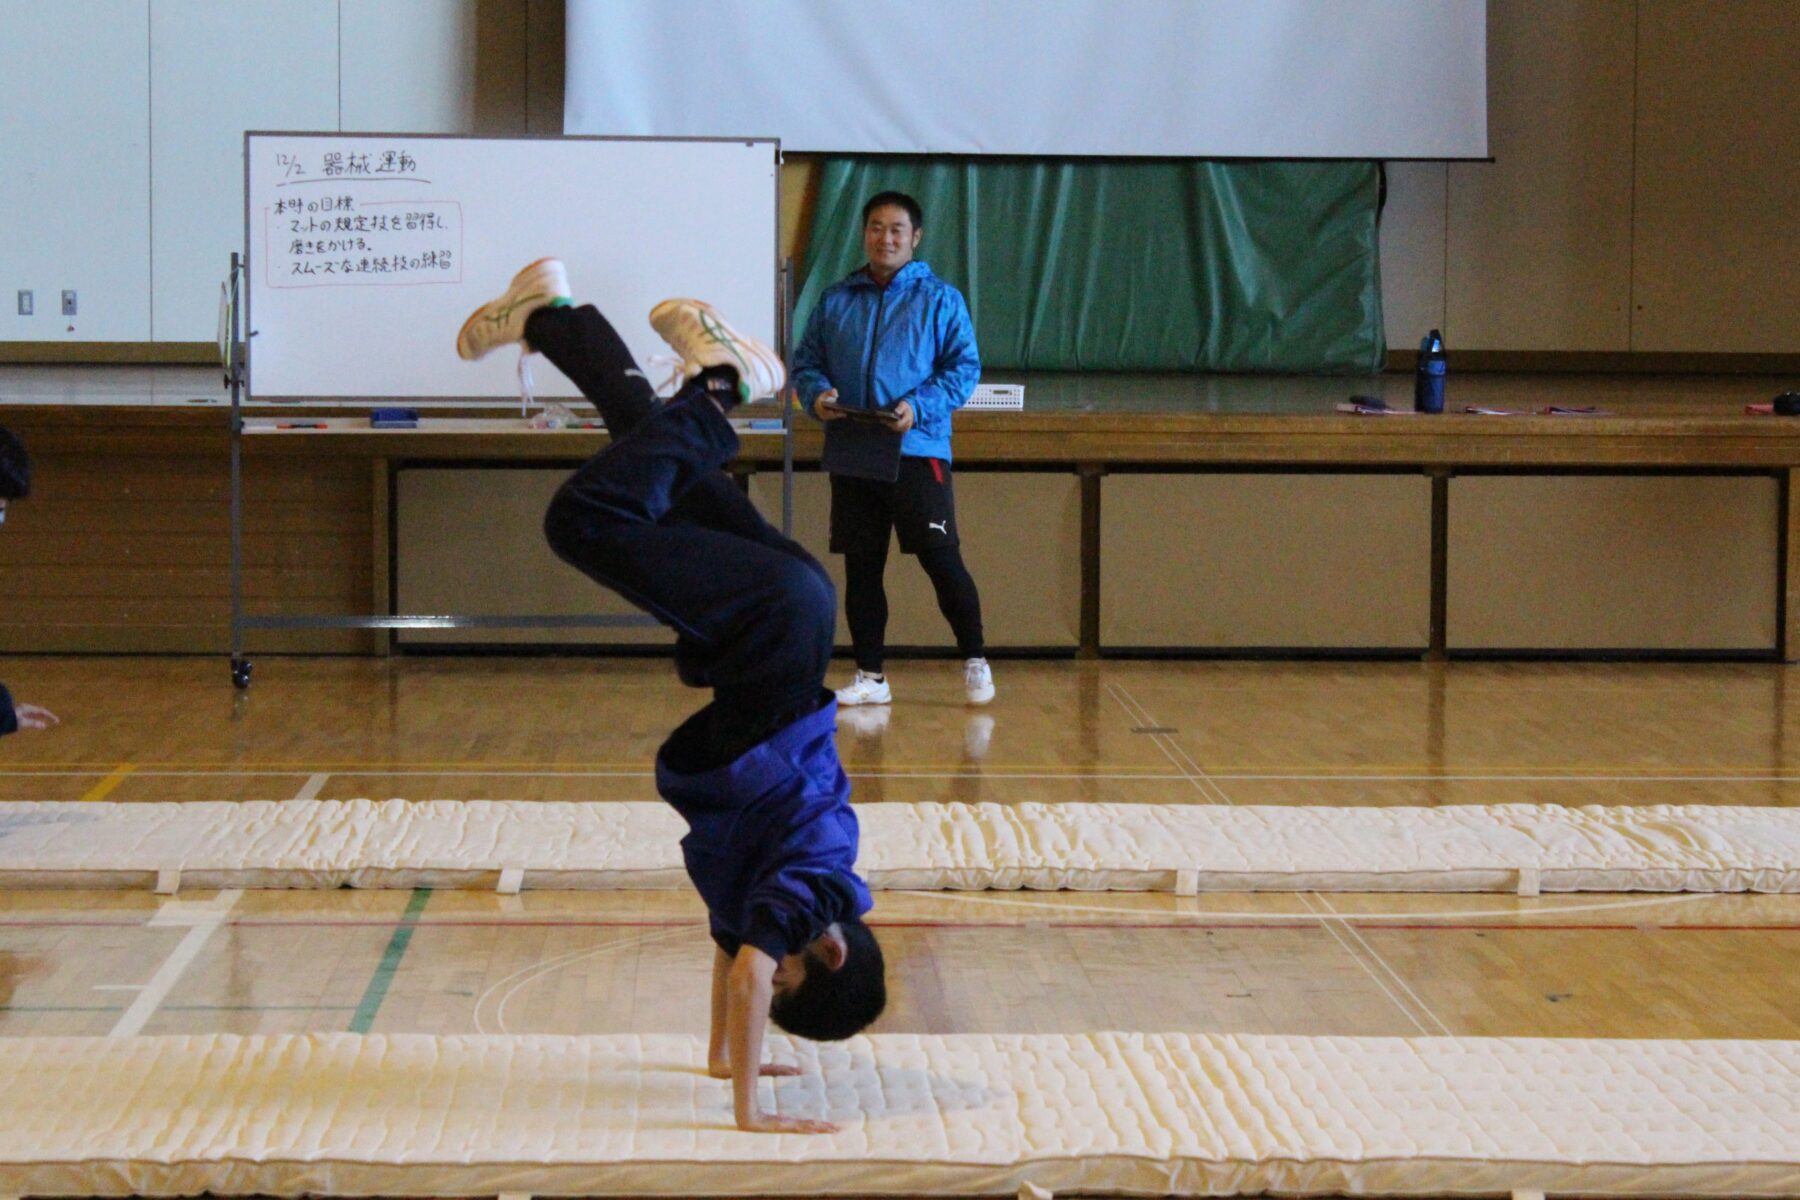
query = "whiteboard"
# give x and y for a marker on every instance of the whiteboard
(366, 252)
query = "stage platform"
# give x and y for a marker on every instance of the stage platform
(1116, 513)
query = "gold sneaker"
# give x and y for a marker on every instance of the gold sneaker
(695, 331)
(501, 321)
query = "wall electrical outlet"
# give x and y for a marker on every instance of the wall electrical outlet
(24, 303)
(68, 303)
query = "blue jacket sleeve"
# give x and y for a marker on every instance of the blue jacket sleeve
(808, 376)
(9, 720)
(792, 907)
(956, 370)
(722, 937)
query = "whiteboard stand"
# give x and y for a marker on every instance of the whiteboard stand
(786, 335)
(232, 350)
(240, 621)
(232, 346)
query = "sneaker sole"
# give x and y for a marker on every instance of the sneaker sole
(476, 315)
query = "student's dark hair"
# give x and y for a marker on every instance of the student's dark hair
(15, 467)
(830, 1006)
(899, 200)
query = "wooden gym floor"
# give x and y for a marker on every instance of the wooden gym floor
(140, 729)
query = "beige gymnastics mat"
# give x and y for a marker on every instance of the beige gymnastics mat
(1138, 1114)
(1125, 847)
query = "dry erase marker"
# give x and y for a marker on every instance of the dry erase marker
(303, 425)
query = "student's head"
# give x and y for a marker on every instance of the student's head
(892, 224)
(833, 989)
(15, 470)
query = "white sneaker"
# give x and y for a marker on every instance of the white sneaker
(865, 689)
(978, 733)
(869, 721)
(501, 321)
(702, 338)
(978, 681)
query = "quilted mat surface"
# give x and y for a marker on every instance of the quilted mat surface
(1184, 1114)
(1121, 847)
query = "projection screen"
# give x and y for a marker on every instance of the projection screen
(1201, 78)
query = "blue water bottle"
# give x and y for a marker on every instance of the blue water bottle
(1428, 382)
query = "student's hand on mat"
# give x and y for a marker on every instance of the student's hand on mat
(35, 716)
(776, 1123)
(722, 1070)
(779, 1070)
(903, 417)
(826, 406)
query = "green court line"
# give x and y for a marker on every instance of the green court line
(364, 1019)
(256, 1008)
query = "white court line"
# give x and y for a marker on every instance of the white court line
(634, 941)
(1450, 916)
(566, 956)
(1357, 934)
(1331, 927)
(547, 966)
(205, 919)
(1183, 761)
(1342, 930)
(313, 786)
(1169, 747)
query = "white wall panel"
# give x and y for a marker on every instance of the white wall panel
(545, 54)
(218, 68)
(431, 87)
(471, 541)
(1412, 253)
(1718, 146)
(1242, 561)
(1540, 239)
(75, 169)
(120, 173)
(1682, 563)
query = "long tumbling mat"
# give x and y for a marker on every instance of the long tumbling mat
(1094, 847)
(1140, 1114)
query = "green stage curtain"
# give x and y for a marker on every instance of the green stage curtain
(1134, 265)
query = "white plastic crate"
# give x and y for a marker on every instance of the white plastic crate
(996, 397)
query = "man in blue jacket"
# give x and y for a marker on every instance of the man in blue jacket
(888, 355)
(15, 484)
(772, 839)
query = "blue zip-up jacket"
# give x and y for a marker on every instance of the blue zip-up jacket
(912, 340)
(771, 842)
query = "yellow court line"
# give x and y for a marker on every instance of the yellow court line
(338, 766)
(105, 787)
(1221, 770)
